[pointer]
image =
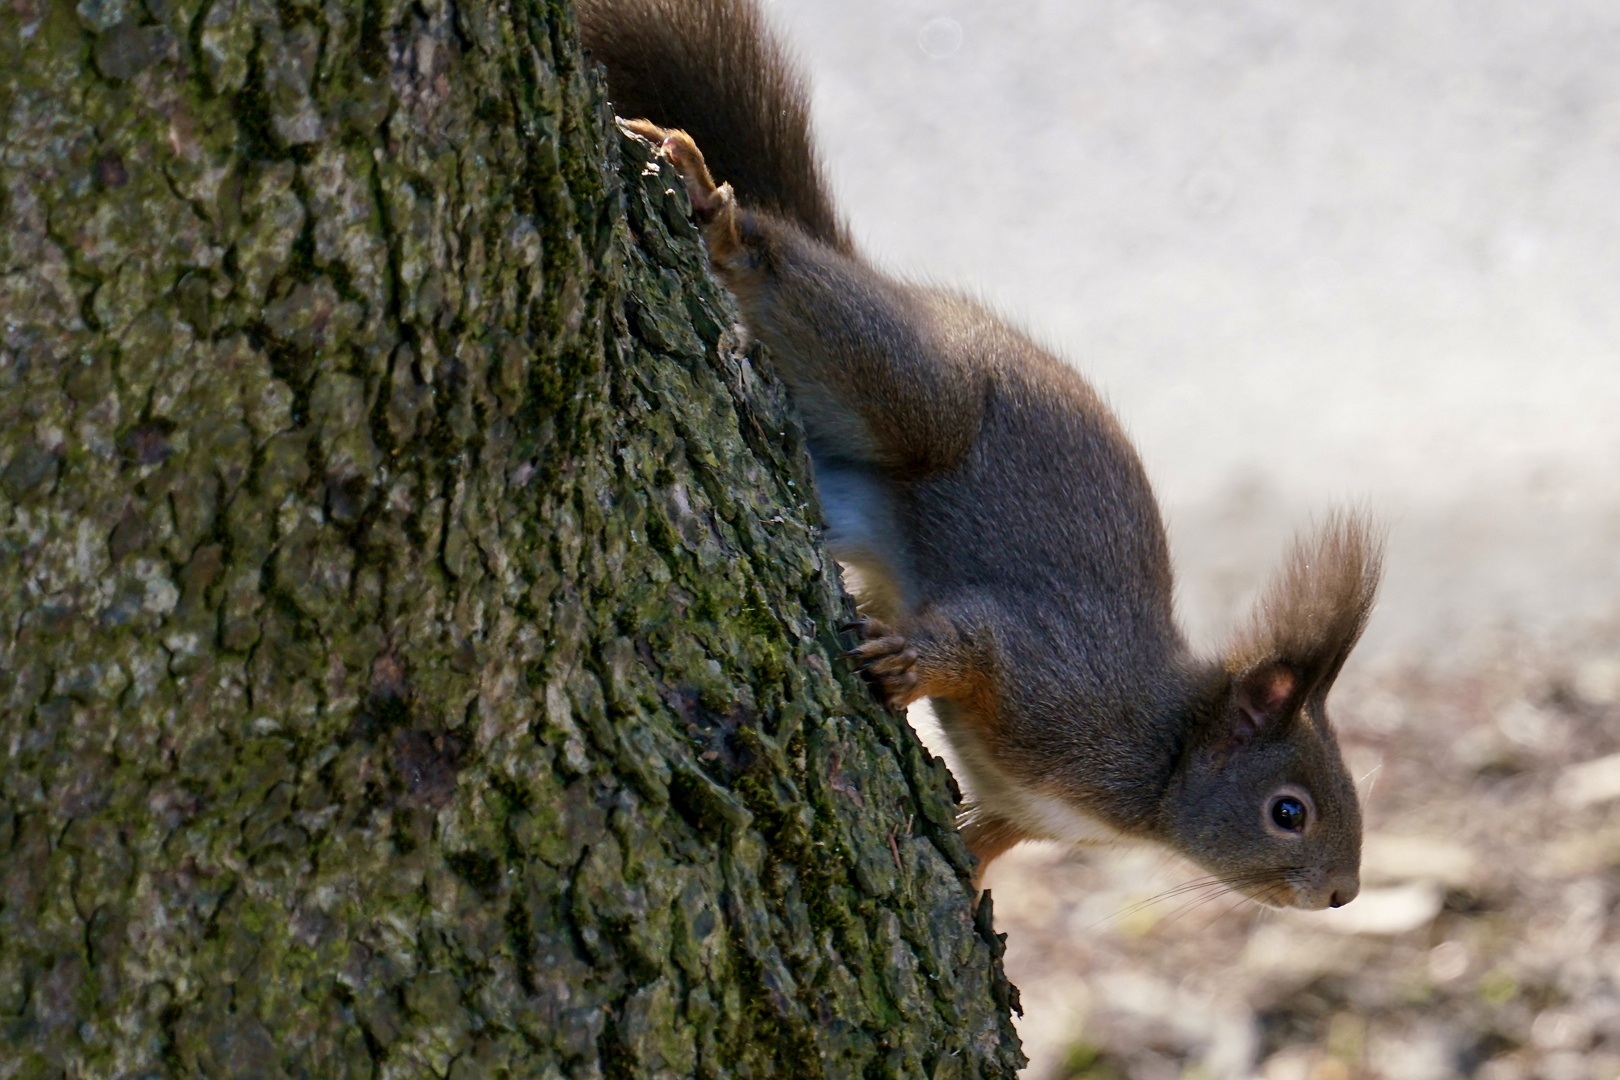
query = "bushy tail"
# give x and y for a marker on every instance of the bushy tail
(714, 69)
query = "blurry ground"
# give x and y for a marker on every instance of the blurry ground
(1483, 941)
(1349, 249)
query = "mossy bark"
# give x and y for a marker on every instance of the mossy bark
(416, 655)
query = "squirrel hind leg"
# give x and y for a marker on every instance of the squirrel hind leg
(647, 130)
(987, 838)
(708, 199)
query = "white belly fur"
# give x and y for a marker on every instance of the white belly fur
(864, 537)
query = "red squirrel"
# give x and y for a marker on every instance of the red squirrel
(1014, 558)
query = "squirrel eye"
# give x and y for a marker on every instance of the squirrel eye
(1289, 813)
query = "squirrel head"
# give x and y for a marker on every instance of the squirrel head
(1261, 797)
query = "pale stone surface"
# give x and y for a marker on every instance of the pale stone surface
(1590, 782)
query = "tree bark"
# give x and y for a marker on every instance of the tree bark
(416, 653)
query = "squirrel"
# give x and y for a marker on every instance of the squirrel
(1014, 560)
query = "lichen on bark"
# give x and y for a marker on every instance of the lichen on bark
(416, 652)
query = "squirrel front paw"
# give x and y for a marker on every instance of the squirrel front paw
(707, 197)
(887, 662)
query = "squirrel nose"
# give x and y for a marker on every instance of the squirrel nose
(1344, 892)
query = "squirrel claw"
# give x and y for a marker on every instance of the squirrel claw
(707, 197)
(887, 662)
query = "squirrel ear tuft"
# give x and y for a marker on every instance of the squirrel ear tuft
(1309, 618)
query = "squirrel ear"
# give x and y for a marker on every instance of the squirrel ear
(1262, 699)
(1308, 620)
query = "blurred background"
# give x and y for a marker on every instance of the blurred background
(1343, 251)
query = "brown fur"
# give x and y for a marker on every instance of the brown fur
(982, 483)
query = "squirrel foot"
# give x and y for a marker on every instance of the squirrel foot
(986, 838)
(707, 197)
(888, 663)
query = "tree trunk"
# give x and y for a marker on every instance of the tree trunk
(416, 653)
